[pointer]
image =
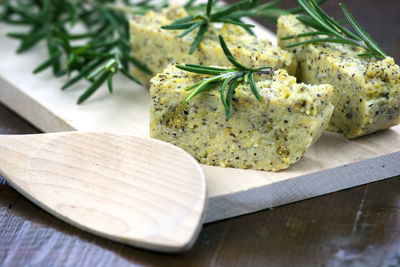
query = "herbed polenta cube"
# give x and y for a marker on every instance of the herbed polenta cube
(157, 47)
(266, 135)
(366, 90)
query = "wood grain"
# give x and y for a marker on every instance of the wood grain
(142, 192)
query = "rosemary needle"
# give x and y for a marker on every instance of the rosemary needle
(225, 78)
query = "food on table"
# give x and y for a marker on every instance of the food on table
(366, 90)
(157, 47)
(266, 135)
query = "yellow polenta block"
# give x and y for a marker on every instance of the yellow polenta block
(366, 91)
(157, 47)
(266, 135)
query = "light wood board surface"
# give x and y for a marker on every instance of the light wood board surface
(332, 164)
(138, 191)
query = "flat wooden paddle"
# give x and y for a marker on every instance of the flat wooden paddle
(139, 191)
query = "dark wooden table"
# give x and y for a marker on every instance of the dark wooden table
(358, 226)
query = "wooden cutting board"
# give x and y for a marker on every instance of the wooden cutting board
(333, 163)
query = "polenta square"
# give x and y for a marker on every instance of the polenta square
(266, 135)
(366, 90)
(157, 47)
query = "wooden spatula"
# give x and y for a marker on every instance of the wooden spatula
(142, 192)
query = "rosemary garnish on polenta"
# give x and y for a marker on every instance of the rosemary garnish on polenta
(324, 25)
(225, 78)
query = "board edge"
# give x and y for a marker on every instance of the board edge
(320, 183)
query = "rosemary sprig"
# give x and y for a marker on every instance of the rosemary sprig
(324, 25)
(231, 14)
(96, 54)
(227, 78)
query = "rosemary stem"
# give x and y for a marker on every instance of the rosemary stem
(359, 43)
